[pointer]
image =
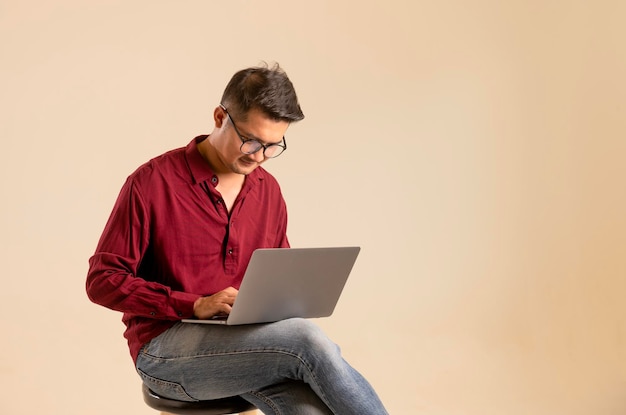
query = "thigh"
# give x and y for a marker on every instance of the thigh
(189, 340)
(198, 361)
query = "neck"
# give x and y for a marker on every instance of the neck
(210, 155)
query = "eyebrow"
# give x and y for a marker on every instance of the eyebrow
(252, 137)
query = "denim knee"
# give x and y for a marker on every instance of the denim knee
(311, 339)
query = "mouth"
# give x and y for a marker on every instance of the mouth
(248, 162)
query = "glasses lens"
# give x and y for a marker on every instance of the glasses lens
(274, 150)
(251, 147)
(271, 151)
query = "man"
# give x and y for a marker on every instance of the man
(176, 246)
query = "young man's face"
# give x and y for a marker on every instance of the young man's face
(256, 127)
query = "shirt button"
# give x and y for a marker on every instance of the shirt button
(213, 179)
(230, 251)
(153, 313)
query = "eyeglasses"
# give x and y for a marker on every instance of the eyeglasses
(251, 145)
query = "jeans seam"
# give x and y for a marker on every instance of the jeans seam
(148, 379)
(285, 352)
(267, 401)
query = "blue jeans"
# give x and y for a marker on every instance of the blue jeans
(287, 367)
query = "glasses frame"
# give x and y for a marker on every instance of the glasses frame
(245, 140)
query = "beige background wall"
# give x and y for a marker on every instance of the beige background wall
(474, 149)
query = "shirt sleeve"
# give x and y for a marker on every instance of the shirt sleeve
(282, 241)
(112, 279)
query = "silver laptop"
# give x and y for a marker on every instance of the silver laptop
(282, 283)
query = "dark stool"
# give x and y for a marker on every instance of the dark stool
(232, 405)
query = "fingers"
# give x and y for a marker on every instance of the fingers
(219, 303)
(228, 294)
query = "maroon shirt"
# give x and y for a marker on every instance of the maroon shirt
(170, 240)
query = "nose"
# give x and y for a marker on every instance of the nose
(258, 156)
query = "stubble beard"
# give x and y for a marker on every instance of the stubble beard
(240, 166)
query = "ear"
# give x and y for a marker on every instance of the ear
(219, 116)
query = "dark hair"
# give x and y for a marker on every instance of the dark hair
(266, 89)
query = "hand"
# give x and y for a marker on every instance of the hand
(219, 303)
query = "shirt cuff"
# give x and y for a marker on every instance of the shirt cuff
(182, 303)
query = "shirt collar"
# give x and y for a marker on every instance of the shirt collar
(200, 169)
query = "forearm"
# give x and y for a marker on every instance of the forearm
(114, 287)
